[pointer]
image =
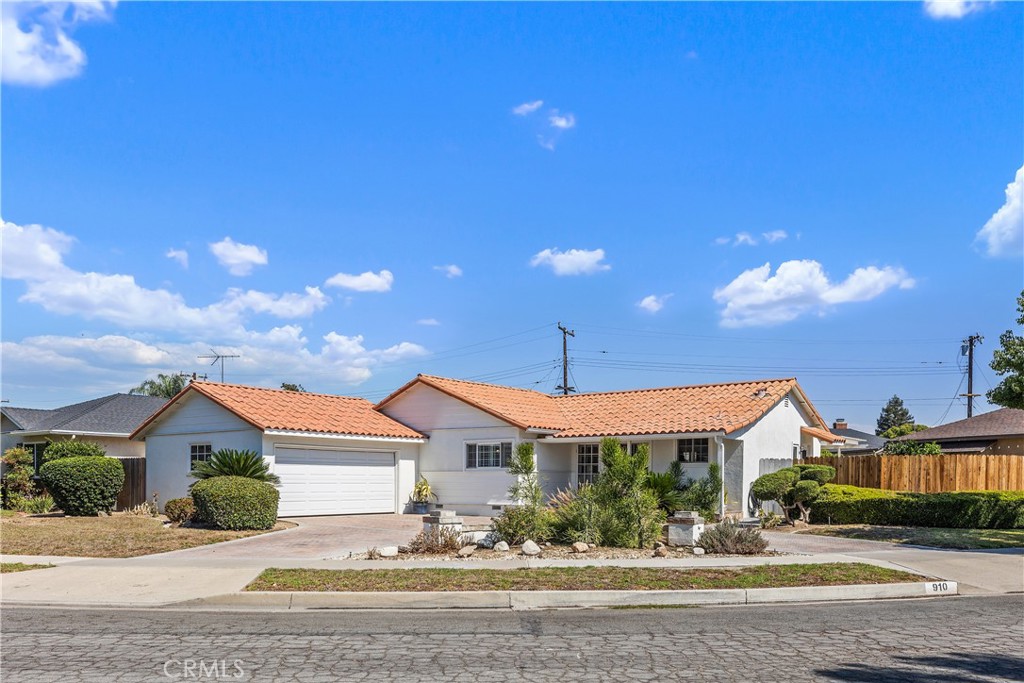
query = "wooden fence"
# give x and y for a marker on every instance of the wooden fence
(134, 490)
(928, 473)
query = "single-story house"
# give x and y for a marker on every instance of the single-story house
(999, 432)
(107, 421)
(339, 455)
(855, 442)
(334, 455)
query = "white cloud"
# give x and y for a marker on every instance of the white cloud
(1003, 234)
(653, 303)
(37, 48)
(756, 297)
(34, 255)
(527, 108)
(561, 122)
(774, 236)
(364, 282)
(450, 271)
(179, 255)
(722, 241)
(238, 258)
(571, 262)
(952, 9)
(744, 238)
(429, 322)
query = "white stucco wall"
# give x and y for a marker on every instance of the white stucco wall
(196, 420)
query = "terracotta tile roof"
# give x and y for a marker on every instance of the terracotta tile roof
(296, 411)
(997, 423)
(671, 410)
(822, 434)
(524, 408)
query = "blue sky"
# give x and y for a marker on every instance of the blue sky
(348, 194)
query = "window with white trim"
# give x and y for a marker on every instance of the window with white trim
(692, 450)
(488, 455)
(588, 463)
(200, 452)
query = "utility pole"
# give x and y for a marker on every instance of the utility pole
(968, 350)
(565, 388)
(218, 357)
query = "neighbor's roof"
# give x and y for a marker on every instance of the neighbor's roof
(822, 434)
(1005, 422)
(672, 410)
(870, 440)
(114, 414)
(295, 411)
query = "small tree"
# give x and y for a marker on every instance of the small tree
(17, 477)
(289, 386)
(902, 430)
(1008, 361)
(793, 488)
(622, 488)
(527, 518)
(893, 414)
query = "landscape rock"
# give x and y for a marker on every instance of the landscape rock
(591, 545)
(658, 544)
(501, 547)
(697, 550)
(488, 540)
(467, 550)
(388, 551)
(530, 548)
(579, 547)
(661, 552)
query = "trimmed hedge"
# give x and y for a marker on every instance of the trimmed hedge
(83, 486)
(235, 503)
(72, 448)
(959, 510)
(180, 510)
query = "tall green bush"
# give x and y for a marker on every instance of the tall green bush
(704, 494)
(83, 486)
(236, 503)
(958, 510)
(17, 477)
(72, 448)
(527, 518)
(911, 448)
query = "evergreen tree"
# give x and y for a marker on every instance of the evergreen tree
(289, 386)
(893, 414)
(1009, 361)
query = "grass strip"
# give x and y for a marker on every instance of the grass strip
(575, 578)
(8, 567)
(960, 539)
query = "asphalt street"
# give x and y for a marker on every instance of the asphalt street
(943, 640)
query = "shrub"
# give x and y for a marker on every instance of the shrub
(518, 523)
(85, 485)
(33, 505)
(228, 462)
(667, 489)
(911, 448)
(729, 538)
(235, 503)
(580, 516)
(962, 509)
(819, 473)
(144, 509)
(704, 494)
(441, 539)
(180, 510)
(17, 479)
(793, 488)
(72, 448)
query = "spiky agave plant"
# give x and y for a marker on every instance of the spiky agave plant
(228, 462)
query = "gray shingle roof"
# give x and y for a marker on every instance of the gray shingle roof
(998, 423)
(114, 414)
(872, 441)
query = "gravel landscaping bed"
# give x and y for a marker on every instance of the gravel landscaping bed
(552, 552)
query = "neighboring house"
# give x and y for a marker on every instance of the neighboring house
(1000, 432)
(108, 421)
(749, 428)
(855, 441)
(335, 455)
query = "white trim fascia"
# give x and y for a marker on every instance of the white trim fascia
(538, 430)
(44, 432)
(645, 438)
(343, 437)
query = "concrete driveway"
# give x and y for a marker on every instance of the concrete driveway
(314, 538)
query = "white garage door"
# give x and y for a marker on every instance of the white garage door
(321, 482)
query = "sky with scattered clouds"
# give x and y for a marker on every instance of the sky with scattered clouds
(703, 192)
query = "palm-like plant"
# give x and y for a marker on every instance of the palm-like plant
(228, 462)
(665, 486)
(165, 386)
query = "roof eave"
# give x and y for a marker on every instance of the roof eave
(344, 437)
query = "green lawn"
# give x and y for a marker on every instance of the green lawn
(574, 578)
(7, 567)
(961, 539)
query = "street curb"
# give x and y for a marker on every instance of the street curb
(530, 600)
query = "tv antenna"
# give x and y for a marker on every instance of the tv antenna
(218, 357)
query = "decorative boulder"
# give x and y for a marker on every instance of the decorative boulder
(501, 547)
(467, 550)
(530, 548)
(388, 551)
(580, 547)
